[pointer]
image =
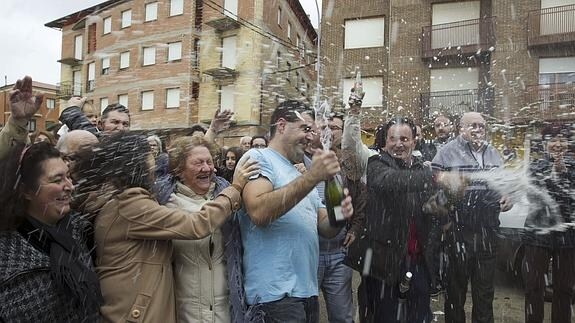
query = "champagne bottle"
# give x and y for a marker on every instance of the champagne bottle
(358, 85)
(404, 286)
(333, 198)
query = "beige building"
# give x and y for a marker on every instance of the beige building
(173, 63)
(45, 117)
(513, 60)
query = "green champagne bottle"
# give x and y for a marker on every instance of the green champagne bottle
(333, 198)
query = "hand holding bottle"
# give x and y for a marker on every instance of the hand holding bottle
(324, 165)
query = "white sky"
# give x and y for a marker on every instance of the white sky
(30, 48)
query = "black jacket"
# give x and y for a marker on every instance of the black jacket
(396, 195)
(74, 119)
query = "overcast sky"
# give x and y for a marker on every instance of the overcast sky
(30, 48)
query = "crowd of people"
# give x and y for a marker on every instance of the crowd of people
(103, 224)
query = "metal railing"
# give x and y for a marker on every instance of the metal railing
(457, 102)
(551, 25)
(551, 100)
(466, 36)
(67, 90)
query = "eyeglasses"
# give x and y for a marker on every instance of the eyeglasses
(259, 146)
(476, 125)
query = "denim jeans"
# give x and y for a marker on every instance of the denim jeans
(334, 280)
(292, 310)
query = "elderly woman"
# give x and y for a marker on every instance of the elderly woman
(133, 232)
(160, 156)
(199, 266)
(45, 268)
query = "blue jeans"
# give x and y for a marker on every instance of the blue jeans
(292, 310)
(334, 280)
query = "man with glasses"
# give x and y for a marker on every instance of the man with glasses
(259, 142)
(282, 216)
(472, 233)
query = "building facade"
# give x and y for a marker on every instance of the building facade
(512, 60)
(173, 63)
(45, 117)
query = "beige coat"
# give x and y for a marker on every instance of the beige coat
(13, 132)
(200, 276)
(134, 251)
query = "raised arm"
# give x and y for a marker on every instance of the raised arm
(220, 122)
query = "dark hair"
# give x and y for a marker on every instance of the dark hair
(289, 111)
(379, 142)
(21, 169)
(194, 128)
(399, 121)
(258, 137)
(49, 135)
(556, 129)
(227, 173)
(120, 159)
(114, 107)
(239, 152)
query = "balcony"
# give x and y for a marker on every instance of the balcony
(72, 61)
(224, 24)
(550, 101)
(221, 73)
(461, 37)
(457, 102)
(551, 26)
(66, 90)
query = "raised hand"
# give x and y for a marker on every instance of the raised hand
(23, 104)
(221, 120)
(324, 165)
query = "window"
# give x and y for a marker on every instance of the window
(31, 125)
(103, 104)
(454, 34)
(373, 91)
(148, 100)
(452, 79)
(107, 25)
(454, 90)
(279, 16)
(231, 8)
(151, 11)
(289, 30)
(357, 29)
(288, 72)
(297, 41)
(50, 103)
(126, 18)
(105, 66)
(227, 97)
(229, 52)
(173, 98)
(556, 21)
(78, 42)
(174, 51)
(91, 77)
(557, 70)
(123, 99)
(149, 56)
(176, 7)
(124, 60)
(77, 80)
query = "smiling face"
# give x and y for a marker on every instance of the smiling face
(399, 142)
(473, 129)
(230, 160)
(297, 136)
(198, 170)
(116, 121)
(50, 200)
(443, 127)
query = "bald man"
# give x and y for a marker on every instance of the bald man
(472, 236)
(72, 142)
(246, 142)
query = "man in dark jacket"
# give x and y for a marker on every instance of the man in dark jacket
(555, 172)
(472, 236)
(397, 232)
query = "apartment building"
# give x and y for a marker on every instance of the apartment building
(513, 60)
(173, 63)
(48, 113)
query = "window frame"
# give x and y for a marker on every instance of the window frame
(142, 108)
(107, 22)
(168, 96)
(146, 11)
(124, 24)
(179, 58)
(144, 50)
(170, 9)
(128, 60)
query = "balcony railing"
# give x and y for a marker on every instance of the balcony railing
(551, 100)
(551, 26)
(457, 102)
(69, 89)
(224, 24)
(462, 37)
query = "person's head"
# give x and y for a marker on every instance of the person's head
(115, 117)
(35, 182)
(155, 144)
(379, 142)
(556, 138)
(259, 142)
(291, 127)
(400, 138)
(196, 130)
(418, 133)
(91, 113)
(472, 128)
(191, 161)
(443, 127)
(232, 156)
(43, 136)
(121, 159)
(245, 142)
(335, 124)
(72, 143)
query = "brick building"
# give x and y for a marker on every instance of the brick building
(173, 63)
(48, 113)
(513, 60)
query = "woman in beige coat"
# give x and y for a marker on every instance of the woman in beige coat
(133, 232)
